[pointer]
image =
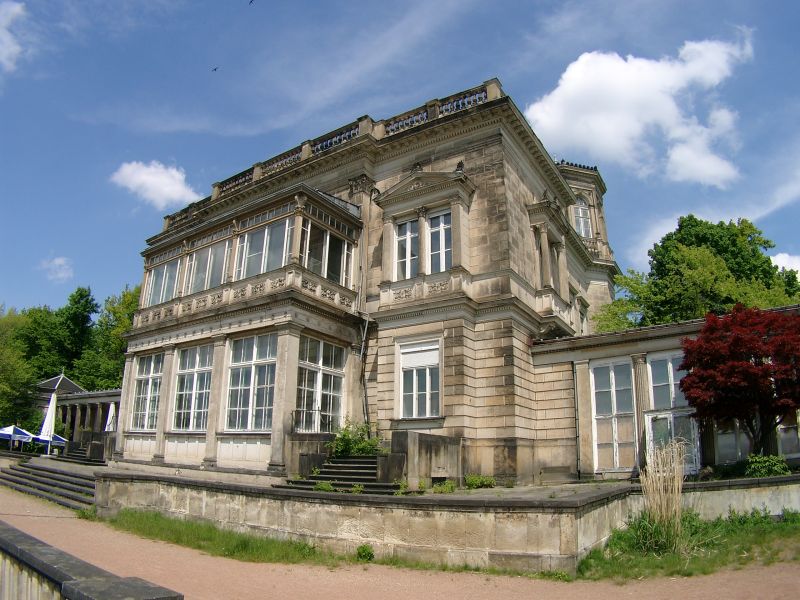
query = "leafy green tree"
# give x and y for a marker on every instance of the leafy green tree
(700, 267)
(17, 378)
(102, 363)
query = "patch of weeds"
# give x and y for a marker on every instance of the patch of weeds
(314, 471)
(474, 481)
(422, 486)
(324, 486)
(88, 514)
(365, 553)
(403, 489)
(358, 488)
(354, 440)
(445, 487)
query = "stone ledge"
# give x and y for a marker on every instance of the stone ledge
(76, 579)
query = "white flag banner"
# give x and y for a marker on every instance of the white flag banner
(111, 421)
(49, 419)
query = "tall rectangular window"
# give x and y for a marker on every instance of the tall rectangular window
(264, 249)
(148, 388)
(326, 254)
(251, 387)
(583, 221)
(205, 268)
(407, 254)
(420, 380)
(193, 388)
(441, 247)
(162, 282)
(665, 377)
(320, 378)
(615, 428)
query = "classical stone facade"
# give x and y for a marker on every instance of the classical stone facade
(395, 271)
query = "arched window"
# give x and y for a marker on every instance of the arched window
(583, 222)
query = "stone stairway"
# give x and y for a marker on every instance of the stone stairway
(67, 488)
(343, 474)
(80, 456)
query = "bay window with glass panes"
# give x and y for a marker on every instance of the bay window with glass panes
(205, 268)
(419, 380)
(614, 415)
(671, 416)
(193, 388)
(263, 249)
(251, 383)
(147, 391)
(320, 378)
(162, 283)
(325, 253)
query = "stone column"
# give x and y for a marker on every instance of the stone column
(78, 423)
(75, 422)
(459, 229)
(285, 398)
(641, 387)
(216, 403)
(387, 253)
(544, 253)
(99, 424)
(297, 232)
(423, 235)
(353, 395)
(125, 403)
(563, 273)
(164, 400)
(583, 402)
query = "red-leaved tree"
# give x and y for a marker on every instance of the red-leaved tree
(745, 366)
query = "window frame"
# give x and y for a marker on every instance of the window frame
(191, 267)
(410, 257)
(615, 415)
(445, 249)
(670, 358)
(244, 246)
(251, 366)
(317, 393)
(404, 351)
(146, 399)
(164, 295)
(198, 399)
(345, 262)
(582, 218)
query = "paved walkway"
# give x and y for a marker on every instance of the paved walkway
(200, 576)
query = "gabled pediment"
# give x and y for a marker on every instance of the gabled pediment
(422, 188)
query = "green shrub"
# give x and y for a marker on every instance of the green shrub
(358, 488)
(314, 471)
(445, 487)
(402, 490)
(766, 466)
(354, 440)
(422, 486)
(473, 481)
(324, 486)
(365, 553)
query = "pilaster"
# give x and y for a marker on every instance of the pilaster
(642, 403)
(544, 247)
(285, 396)
(423, 236)
(215, 401)
(126, 398)
(459, 229)
(297, 230)
(164, 398)
(387, 254)
(583, 399)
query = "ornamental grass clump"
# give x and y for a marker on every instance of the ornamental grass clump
(659, 529)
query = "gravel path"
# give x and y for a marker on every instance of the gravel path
(200, 576)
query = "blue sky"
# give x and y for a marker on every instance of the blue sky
(111, 115)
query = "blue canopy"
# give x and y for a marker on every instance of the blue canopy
(14, 433)
(56, 441)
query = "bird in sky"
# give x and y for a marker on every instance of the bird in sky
(214, 68)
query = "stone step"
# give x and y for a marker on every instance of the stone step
(385, 489)
(55, 481)
(371, 460)
(55, 494)
(355, 477)
(349, 467)
(70, 476)
(71, 458)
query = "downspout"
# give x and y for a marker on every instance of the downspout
(577, 422)
(361, 306)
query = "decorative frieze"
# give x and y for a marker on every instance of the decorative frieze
(345, 301)
(309, 285)
(216, 298)
(239, 293)
(404, 294)
(201, 302)
(328, 294)
(278, 283)
(438, 287)
(258, 288)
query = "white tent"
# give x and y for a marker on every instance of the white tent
(111, 421)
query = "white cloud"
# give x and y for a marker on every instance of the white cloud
(786, 261)
(155, 183)
(10, 48)
(642, 113)
(58, 269)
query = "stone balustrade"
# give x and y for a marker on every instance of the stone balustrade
(289, 277)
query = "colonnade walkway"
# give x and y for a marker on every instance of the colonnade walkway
(199, 576)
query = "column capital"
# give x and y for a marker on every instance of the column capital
(219, 339)
(388, 220)
(422, 212)
(362, 183)
(639, 359)
(293, 329)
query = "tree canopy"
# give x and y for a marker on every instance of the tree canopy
(700, 267)
(17, 377)
(745, 366)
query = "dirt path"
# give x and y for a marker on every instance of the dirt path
(199, 576)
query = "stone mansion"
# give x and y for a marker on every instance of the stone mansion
(433, 274)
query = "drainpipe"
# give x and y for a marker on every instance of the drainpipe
(577, 422)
